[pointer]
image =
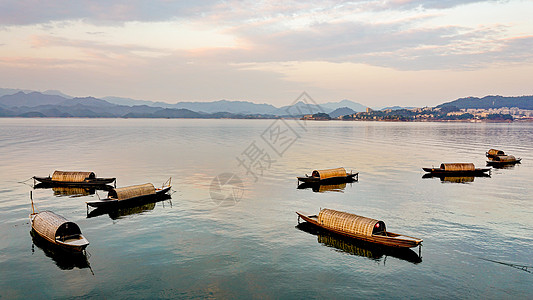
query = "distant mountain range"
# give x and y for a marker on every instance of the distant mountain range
(18, 103)
(25, 103)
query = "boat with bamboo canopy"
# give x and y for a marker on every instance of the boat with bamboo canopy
(358, 227)
(456, 169)
(357, 247)
(74, 178)
(501, 160)
(57, 230)
(129, 194)
(329, 176)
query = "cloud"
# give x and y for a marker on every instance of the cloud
(25, 12)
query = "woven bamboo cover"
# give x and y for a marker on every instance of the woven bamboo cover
(132, 191)
(47, 223)
(330, 173)
(494, 152)
(458, 167)
(504, 158)
(69, 176)
(347, 222)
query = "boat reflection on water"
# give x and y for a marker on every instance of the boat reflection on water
(130, 208)
(72, 191)
(505, 166)
(322, 188)
(64, 259)
(359, 248)
(454, 179)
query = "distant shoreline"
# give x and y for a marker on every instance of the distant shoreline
(385, 121)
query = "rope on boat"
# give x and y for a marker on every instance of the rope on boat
(25, 181)
(516, 266)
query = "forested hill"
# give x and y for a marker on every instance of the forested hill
(522, 102)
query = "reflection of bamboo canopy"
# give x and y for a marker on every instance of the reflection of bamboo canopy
(126, 211)
(69, 176)
(132, 191)
(50, 225)
(331, 187)
(494, 152)
(350, 223)
(344, 246)
(329, 173)
(458, 167)
(504, 158)
(71, 191)
(458, 179)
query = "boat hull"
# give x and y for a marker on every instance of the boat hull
(314, 179)
(392, 240)
(503, 163)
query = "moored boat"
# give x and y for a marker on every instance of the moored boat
(329, 176)
(74, 178)
(501, 160)
(457, 168)
(131, 194)
(58, 230)
(358, 227)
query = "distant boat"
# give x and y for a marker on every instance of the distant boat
(131, 194)
(457, 169)
(74, 178)
(358, 227)
(501, 160)
(57, 230)
(329, 176)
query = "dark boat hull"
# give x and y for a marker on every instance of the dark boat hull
(392, 240)
(114, 202)
(313, 179)
(503, 163)
(87, 182)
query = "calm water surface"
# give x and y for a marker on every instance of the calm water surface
(477, 231)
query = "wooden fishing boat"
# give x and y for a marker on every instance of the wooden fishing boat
(74, 178)
(131, 194)
(493, 153)
(501, 160)
(58, 230)
(329, 176)
(358, 227)
(456, 169)
(356, 246)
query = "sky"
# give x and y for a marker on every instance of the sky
(377, 53)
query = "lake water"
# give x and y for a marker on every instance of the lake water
(231, 232)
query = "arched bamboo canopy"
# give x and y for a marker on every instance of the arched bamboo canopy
(70, 176)
(132, 191)
(350, 223)
(329, 173)
(458, 167)
(50, 225)
(494, 152)
(504, 158)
